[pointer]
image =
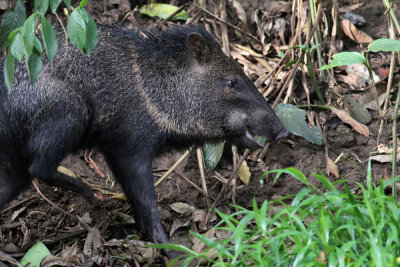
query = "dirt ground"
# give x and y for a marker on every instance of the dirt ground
(30, 217)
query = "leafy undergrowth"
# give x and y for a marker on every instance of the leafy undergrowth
(319, 227)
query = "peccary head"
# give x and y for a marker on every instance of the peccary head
(215, 98)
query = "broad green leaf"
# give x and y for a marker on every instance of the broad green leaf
(37, 45)
(345, 58)
(11, 20)
(34, 66)
(163, 11)
(212, 154)
(35, 255)
(67, 3)
(76, 29)
(54, 5)
(28, 33)
(49, 39)
(17, 47)
(9, 70)
(83, 3)
(91, 34)
(41, 6)
(294, 120)
(384, 45)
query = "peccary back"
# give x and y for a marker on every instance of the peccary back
(139, 93)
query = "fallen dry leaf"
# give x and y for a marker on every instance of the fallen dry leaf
(353, 33)
(332, 167)
(244, 173)
(182, 208)
(241, 14)
(346, 118)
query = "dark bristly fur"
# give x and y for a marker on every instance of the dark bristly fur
(139, 93)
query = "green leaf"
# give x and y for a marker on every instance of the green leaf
(9, 70)
(345, 58)
(37, 45)
(212, 154)
(91, 35)
(83, 3)
(163, 11)
(294, 121)
(41, 6)
(17, 47)
(54, 5)
(49, 38)
(35, 255)
(28, 33)
(67, 3)
(76, 29)
(384, 45)
(34, 66)
(11, 20)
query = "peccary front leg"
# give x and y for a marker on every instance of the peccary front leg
(134, 172)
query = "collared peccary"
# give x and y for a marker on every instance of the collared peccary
(139, 93)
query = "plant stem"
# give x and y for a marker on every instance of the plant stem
(392, 14)
(373, 87)
(394, 136)
(316, 39)
(313, 79)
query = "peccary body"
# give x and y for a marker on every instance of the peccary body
(139, 93)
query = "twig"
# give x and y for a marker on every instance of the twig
(300, 59)
(35, 184)
(66, 44)
(200, 157)
(162, 22)
(184, 156)
(18, 204)
(192, 184)
(227, 23)
(223, 190)
(92, 164)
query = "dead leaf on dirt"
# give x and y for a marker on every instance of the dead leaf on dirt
(182, 208)
(382, 158)
(372, 104)
(353, 33)
(346, 118)
(332, 167)
(17, 213)
(93, 245)
(179, 223)
(52, 260)
(244, 173)
(198, 246)
(66, 171)
(241, 13)
(384, 149)
(199, 215)
(8, 258)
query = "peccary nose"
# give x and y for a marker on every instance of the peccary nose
(282, 133)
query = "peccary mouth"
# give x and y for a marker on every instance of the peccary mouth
(250, 137)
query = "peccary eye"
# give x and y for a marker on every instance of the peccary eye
(232, 83)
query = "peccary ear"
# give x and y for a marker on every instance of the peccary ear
(198, 47)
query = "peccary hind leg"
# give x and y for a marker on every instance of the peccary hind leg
(10, 184)
(48, 148)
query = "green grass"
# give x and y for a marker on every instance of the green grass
(319, 227)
